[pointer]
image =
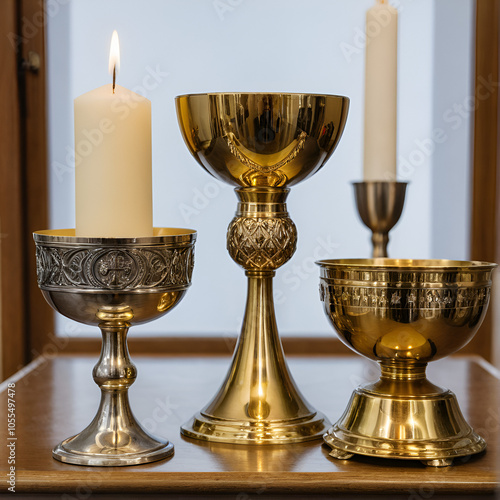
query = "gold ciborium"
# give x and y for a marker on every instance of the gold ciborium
(403, 314)
(262, 144)
(114, 283)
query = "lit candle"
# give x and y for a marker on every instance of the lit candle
(113, 177)
(380, 93)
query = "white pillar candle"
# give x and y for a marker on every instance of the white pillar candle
(380, 130)
(113, 176)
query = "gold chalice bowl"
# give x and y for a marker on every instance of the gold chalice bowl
(403, 314)
(261, 144)
(114, 283)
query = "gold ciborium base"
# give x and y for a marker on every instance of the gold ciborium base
(214, 429)
(425, 427)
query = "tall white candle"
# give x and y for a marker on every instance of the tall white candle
(380, 129)
(113, 177)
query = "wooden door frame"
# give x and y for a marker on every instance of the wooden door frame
(40, 320)
(12, 322)
(485, 196)
(26, 322)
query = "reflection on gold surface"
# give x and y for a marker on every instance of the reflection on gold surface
(403, 343)
(167, 301)
(257, 458)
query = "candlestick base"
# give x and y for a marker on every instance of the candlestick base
(87, 456)
(380, 204)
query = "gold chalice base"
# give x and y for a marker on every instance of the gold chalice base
(244, 431)
(403, 314)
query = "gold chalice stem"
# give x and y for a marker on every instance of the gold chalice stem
(259, 336)
(259, 403)
(259, 376)
(404, 378)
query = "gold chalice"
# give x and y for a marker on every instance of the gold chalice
(114, 283)
(403, 314)
(262, 144)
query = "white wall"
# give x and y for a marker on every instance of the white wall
(261, 45)
(452, 112)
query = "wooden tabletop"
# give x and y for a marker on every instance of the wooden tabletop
(56, 398)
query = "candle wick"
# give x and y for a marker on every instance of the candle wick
(114, 78)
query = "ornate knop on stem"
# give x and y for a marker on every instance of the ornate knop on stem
(261, 236)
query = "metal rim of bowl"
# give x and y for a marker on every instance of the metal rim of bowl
(390, 264)
(162, 235)
(291, 94)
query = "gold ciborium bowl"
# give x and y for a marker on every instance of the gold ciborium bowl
(262, 143)
(114, 283)
(261, 139)
(404, 314)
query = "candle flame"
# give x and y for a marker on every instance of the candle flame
(114, 57)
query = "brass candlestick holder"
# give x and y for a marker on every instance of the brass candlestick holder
(403, 314)
(261, 143)
(114, 283)
(380, 204)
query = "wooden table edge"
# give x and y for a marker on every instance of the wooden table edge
(220, 482)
